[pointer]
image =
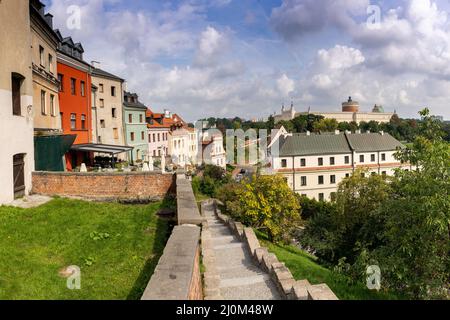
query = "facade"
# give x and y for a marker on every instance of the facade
(16, 101)
(179, 147)
(74, 76)
(107, 111)
(350, 112)
(315, 164)
(213, 150)
(192, 145)
(44, 43)
(135, 127)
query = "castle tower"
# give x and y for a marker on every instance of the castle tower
(350, 106)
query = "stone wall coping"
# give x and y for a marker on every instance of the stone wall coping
(102, 174)
(174, 273)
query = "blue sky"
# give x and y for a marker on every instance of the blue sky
(229, 58)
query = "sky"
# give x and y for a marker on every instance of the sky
(227, 58)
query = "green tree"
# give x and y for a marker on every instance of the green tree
(415, 256)
(265, 203)
(325, 125)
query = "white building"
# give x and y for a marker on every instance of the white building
(314, 164)
(350, 113)
(179, 147)
(213, 150)
(16, 101)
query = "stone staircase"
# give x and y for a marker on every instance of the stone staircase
(230, 271)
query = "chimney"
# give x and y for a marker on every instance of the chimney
(49, 18)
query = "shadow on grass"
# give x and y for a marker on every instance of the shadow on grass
(164, 228)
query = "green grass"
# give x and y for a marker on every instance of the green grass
(304, 266)
(35, 244)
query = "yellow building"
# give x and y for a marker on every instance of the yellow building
(44, 41)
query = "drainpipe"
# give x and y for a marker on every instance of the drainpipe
(293, 173)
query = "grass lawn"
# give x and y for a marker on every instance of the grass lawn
(116, 246)
(303, 266)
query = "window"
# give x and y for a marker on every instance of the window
(283, 163)
(159, 137)
(102, 123)
(83, 122)
(347, 159)
(61, 84)
(73, 84)
(154, 153)
(383, 157)
(100, 88)
(113, 91)
(52, 106)
(41, 56)
(332, 161)
(320, 179)
(347, 175)
(130, 118)
(372, 158)
(141, 119)
(142, 135)
(43, 104)
(373, 173)
(154, 138)
(384, 174)
(99, 139)
(16, 85)
(332, 179)
(303, 162)
(114, 112)
(50, 63)
(320, 161)
(102, 103)
(83, 88)
(361, 158)
(333, 196)
(132, 136)
(303, 182)
(116, 133)
(321, 197)
(73, 121)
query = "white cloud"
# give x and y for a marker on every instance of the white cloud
(285, 85)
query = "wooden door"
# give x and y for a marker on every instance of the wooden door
(19, 175)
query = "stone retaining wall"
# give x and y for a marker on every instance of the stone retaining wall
(290, 288)
(145, 186)
(177, 275)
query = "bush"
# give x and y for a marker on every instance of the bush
(265, 203)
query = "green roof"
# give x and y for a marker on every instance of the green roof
(314, 144)
(369, 142)
(301, 144)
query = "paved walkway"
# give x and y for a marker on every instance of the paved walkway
(239, 277)
(30, 201)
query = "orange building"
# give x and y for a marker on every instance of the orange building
(74, 98)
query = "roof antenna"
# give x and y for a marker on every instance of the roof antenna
(93, 62)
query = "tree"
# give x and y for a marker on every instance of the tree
(265, 203)
(416, 255)
(325, 125)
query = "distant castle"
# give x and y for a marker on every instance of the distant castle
(350, 112)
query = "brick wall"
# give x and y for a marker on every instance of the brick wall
(196, 288)
(105, 186)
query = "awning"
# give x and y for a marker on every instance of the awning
(101, 148)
